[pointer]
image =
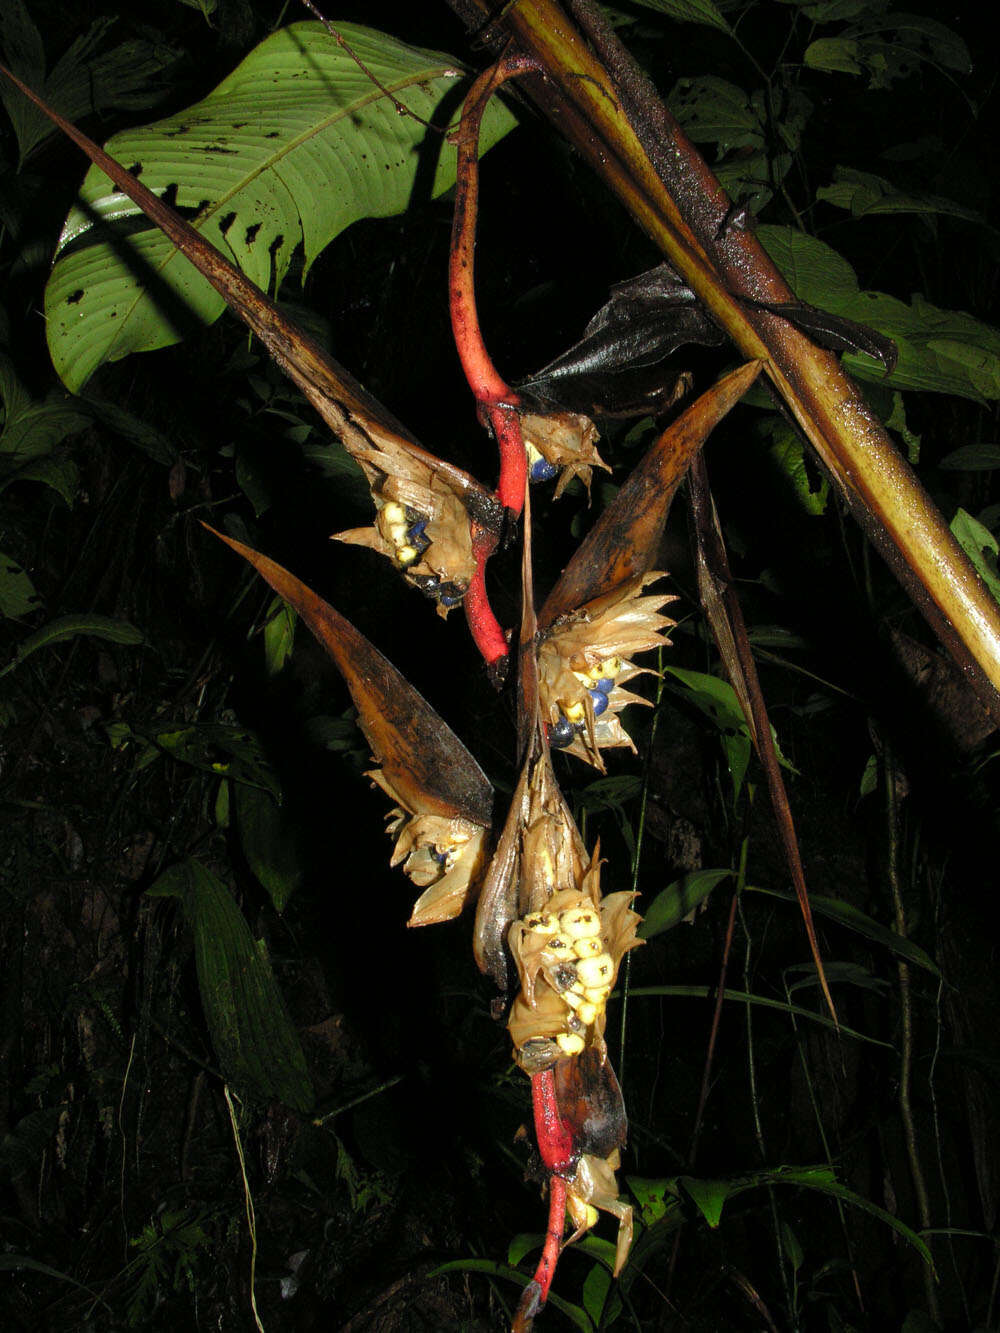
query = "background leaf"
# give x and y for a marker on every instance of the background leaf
(679, 900)
(255, 1042)
(68, 627)
(291, 148)
(268, 844)
(689, 11)
(17, 595)
(945, 351)
(862, 193)
(835, 909)
(87, 78)
(32, 432)
(980, 546)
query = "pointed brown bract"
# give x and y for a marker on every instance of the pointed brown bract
(422, 521)
(622, 544)
(442, 797)
(725, 616)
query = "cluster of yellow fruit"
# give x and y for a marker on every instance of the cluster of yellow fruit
(578, 967)
(405, 529)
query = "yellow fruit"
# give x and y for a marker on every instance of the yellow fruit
(542, 923)
(406, 555)
(587, 1012)
(596, 995)
(597, 971)
(588, 948)
(570, 1043)
(580, 923)
(394, 512)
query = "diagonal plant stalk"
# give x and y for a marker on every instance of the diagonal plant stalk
(600, 100)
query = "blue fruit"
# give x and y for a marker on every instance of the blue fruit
(561, 734)
(600, 701)
(606, 684)
(543, 470)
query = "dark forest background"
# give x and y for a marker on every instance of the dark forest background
(161, 719)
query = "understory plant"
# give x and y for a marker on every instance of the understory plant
(609, 775)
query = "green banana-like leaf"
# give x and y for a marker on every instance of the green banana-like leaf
(257, 1046)
(292, 147)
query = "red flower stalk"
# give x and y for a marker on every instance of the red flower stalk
(496, 399)
(486, 631)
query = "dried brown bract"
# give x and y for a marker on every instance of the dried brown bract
(563, 442)
(584, 663)
(443, 855)
(421, 520)
(594, 1187)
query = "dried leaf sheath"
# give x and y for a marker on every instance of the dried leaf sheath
(443, 799)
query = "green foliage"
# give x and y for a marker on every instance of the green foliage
(31, 433)
(710, 1197)
(882, 45)
(271, 850)
(863, 194)
(291, 148)
(17, 593)
(22, 1148)
(64, 628)
(254, 1039)
(89, 77)
(944, 351)
(679, 901)
(980, 546)
(689, 11)
(853, 918)
(168, 1251)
